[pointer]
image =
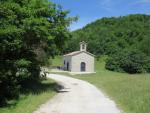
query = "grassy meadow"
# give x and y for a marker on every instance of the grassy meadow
(130, 92)
(31, 98)
(57, 61)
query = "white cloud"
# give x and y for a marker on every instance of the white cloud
(144, 1)
(105, 2)
(107, 5)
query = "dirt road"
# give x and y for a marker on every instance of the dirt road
(77, 96)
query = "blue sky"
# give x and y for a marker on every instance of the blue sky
(91, 10)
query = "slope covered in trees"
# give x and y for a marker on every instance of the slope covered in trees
(124, 39)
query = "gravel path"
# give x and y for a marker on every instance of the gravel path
(77, 96)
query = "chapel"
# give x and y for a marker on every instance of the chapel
(79, 61)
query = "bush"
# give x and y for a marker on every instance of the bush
(9, 87)
(132, 61)
(147, 65)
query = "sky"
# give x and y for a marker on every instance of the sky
(91, 10)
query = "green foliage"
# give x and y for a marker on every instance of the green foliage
(117, 38)
(30, 32)
(128, 61)
(144, 46)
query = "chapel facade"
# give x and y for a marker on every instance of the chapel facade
(79, 61)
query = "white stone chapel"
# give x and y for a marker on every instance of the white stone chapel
(79, 61)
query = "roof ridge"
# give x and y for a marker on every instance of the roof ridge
(77, 52)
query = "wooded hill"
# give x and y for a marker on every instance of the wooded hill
(124, 39)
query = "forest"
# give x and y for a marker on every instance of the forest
(124, 40)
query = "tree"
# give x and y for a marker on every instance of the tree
(30, 30)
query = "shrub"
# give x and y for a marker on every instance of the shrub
(132, 61)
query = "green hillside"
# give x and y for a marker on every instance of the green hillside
(124, 39)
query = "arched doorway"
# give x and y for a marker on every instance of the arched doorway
(83, 67)
(67, 66)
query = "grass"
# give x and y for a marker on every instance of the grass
(31, 97)
(130, 92)
(57, 61)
